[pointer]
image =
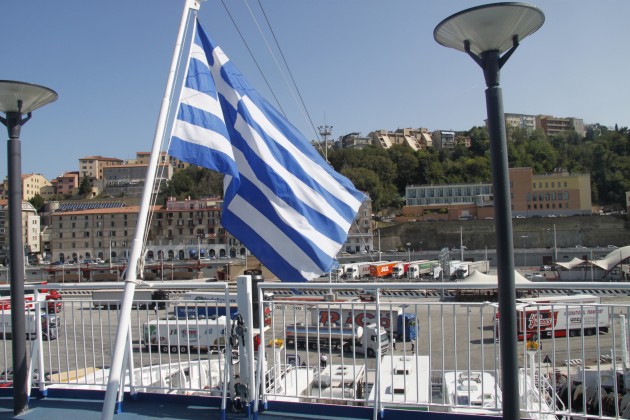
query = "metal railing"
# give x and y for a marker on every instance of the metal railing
(413, 350)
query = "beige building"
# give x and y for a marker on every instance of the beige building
(554, 125)
(361, 233)
(32, 185)
(30, 232)
(414, 138)
(92, 166)
(142, 158)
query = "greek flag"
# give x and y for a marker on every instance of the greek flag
(282, 200)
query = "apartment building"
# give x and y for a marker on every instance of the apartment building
(30, 232)
(527, 122)
(179, 230)
(555, 194)
(554, 125)
(414, 138)
(361, 233)
(142, 158)
(93, 166)
(66, 184)
(32, 185)
(128, 180)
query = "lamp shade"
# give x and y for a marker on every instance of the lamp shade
(489, 27)
(32, 96)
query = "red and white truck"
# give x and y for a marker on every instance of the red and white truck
(559, 316)
(357, 271)
(383, 268)
(400, 270)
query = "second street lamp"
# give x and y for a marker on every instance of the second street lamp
(484, 33)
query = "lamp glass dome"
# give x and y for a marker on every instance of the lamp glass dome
(489, 27)
(32, 96)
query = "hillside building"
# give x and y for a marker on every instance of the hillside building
(556, 194)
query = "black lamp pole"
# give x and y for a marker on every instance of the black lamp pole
(17, 99)
(484, 33)
(14, 123)
(491, 64)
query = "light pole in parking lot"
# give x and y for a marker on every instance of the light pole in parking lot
(409, 251)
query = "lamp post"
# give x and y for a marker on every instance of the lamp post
(524, 251)
(484, 33)
(409, 251)
(17, 99)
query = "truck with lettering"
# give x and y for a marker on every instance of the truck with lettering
(392, 318)
(559, 316)
(189, 335)
(352, 338)
(357, 270)
(185, 336)
(382, 269)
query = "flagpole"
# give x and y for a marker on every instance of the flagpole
(114, 381)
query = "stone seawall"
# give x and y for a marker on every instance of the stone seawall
(589, 231)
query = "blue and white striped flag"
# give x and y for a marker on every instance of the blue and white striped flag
(282, 200)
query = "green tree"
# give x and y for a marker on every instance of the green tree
(85, 187)
(37, 201)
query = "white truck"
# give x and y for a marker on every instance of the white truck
(48, 322)
(357, 339)
(185, 336)
(418, 269)
(462, 269)
(142, 298)
(188, 335)
(357, 271)
(559, 316)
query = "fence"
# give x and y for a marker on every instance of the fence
(318, 343)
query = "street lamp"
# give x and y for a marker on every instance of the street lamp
(524, 251)
(409, 251)
(17, 99)
(484, 33)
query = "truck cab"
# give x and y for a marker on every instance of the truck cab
(368, 343)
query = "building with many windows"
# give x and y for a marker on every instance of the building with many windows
(556, 194)
(67, 184)
(32, 185)
(30, 232)
(554, 125)
(93, 166)
(128, 180)
(360, 236)
(414, 138)
(179, 230)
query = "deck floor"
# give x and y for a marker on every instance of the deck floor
(55, 408)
